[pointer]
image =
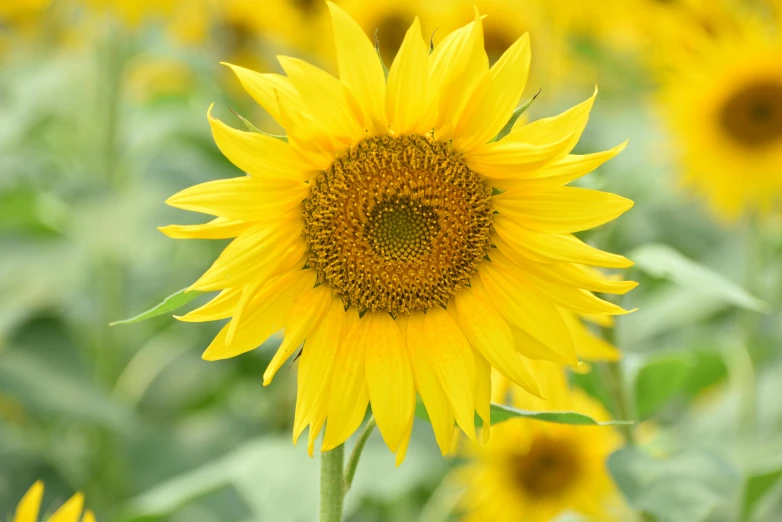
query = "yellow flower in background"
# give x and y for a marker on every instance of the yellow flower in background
(721, 97)
(392, 235)
(135, 12)
(30, 506)
(535, 471)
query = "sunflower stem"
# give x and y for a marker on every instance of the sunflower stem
(355, 455)
(332, 485)
(614, 377)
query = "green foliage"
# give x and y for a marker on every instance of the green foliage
(173, 302)
(683, 488)
(664, 262)
(521, 109)
(755, 488)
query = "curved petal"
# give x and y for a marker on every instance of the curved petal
(348, 398)
(265, 315)
(305, 315)
(257, 154)
(589, 346)
(315, 367)
(570, 123)
(456, 66)
(29, 506)
(533, 313)
(435, 399)
(508, 159)
(408, 86)
(221, 307)
(449, 356)
(327, 100)
(218, 228)
(551, 247)
(561, 210)
(70, 511)
(580, 276)
(244, 198)
(483, 394)
(559, 172)
(389, 380)
(253, 256)
(267, 89)
(494, 99)
(360, 68)
(489, 333)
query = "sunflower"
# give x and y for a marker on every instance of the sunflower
(71, 511)
(536, 471)
(392, 235)
(721, 97)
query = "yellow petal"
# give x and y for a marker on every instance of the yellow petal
(559, 172)
(435, 400)
(302, 319)
(360, 68)
(580, 276)
(257, 154)
(389, 380)
(221, 307)
(494, 99)
(27, 510)
(408, 86)
(507, 159)
(483, 394)
(218, 228)
(255, 255)
(489, 333)
(569, 124)
(589, 346)
(560, 210)
(244, 198)
(348, 397)
(328, 101)
(535, 350)
(268, 90)
(70, 511)
(315, 427)
(315, 365)
(265, 315)
(456, 66)
(405, 442)
(552, 247)
(449, 356)
(88, 516)
(533, 313)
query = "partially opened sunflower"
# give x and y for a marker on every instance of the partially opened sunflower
(392, 236)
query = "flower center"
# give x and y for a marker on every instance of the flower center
(397, 224)
(753, 116)
(548, 468)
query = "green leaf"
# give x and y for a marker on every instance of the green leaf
(515, 116)
(253, 128)
(380, 56)
(169, 304)
(501, 413)
(755, 488)
(664, 262)
(684, 488)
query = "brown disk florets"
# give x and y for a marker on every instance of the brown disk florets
(397, 224)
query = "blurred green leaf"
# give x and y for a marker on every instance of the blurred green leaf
(501, 413)
(169, 304)
(684, 488)
(664, 262)
(755, 488)
(40, 384)
(660, 380)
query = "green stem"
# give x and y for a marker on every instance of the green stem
(355, 455)
(332, 487)
(614, 378)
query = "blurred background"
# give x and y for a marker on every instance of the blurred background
(102, 117)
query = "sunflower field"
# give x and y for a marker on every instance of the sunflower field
(390, 260)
